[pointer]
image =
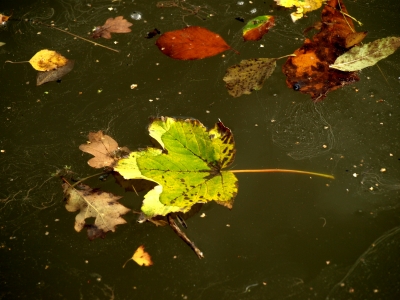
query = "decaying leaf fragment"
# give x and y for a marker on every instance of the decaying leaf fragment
(141, 257)
(102, 206)
(103, 147)
(46, 60)
(355, 38)
(54, 75)
(188, 168)
(257, 27)
(308, 71)
(190, 43)
(249, 75)
(360, 57)
(112, 25)
(303, 6)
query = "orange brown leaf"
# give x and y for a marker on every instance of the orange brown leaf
(309, 72)
(191, 43)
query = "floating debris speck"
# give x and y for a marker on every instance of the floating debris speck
(136, 15)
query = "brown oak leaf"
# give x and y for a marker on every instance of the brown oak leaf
(115, 25)
(103, 147)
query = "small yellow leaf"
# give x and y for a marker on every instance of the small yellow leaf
(46, 60)
(141, 257)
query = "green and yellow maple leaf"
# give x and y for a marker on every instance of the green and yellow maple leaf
(187, 166)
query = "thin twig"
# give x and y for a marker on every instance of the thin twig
(82, 180)
(184, 237)
(77, 36)
(135, 190)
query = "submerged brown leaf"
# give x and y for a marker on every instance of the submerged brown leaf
(112, 25)
(54, 75)
(92, 203)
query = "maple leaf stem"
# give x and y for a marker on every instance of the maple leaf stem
(282, 171)
(184, 237)
(16, 62)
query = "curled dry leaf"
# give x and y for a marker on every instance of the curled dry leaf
(308, 71)
(54, 75)
(46, 60)
(249, 75)
(102, 206)
(257, 27)
(354, 38)
(191, 43)
(4, 18)
(103, 148)
(112, 25)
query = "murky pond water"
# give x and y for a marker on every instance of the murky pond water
(288, 236)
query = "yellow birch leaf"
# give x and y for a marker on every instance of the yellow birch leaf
(46, 60)
(303, 6)
(141, 257)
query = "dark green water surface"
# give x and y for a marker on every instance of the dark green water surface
(289, 236)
